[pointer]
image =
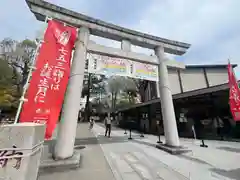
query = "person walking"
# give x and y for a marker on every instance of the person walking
(91, 122)
(108, 124)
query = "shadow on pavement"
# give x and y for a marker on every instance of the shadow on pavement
(101, 139)
(93, 140)
(233, 174)
(230, 149)
(114, 139)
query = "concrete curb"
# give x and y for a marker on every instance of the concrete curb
(173, 150)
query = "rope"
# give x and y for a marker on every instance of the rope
(22, 149)
(34, 149)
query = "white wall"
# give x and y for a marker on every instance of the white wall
(174, 81)
(193, 79)
(217, 76)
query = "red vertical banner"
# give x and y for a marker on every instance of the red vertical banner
(49, 81)
(234, 94)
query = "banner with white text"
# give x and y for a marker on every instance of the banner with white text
(49, 81)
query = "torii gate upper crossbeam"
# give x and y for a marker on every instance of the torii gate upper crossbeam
(41, 9)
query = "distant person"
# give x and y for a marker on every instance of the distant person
(108, 124)
(91, 123)
(220, 126)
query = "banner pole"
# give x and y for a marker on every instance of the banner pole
(22, 99)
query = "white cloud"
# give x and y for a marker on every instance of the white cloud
(212, 27)
(188, 20)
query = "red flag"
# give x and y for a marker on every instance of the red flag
(234, 94)
(49, 81)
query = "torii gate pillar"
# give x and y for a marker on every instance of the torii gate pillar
(67, 128)
(168, 113)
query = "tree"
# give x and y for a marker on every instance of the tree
(131, 90)
(14, 68)
(5, 74)
(96, 85)
(92, 86)
(121, 87)
(7, 99)
(7, 89)
(19, 56)
(123, 103)
(141, 86)
(114, 86)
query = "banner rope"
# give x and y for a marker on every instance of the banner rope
(34, 149)
(20, 149)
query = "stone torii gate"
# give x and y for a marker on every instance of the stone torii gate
(87, 25)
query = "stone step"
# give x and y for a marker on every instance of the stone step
(152, 170)
(173, 150)
(142, 168)
(125, 171)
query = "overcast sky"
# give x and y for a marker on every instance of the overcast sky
(211, 26)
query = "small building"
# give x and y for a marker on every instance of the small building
(200, 96)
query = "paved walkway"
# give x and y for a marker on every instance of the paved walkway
(139, 159)
(118, 158)
(93, 163)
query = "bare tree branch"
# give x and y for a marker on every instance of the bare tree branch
(18, 56)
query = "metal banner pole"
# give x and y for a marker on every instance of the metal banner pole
(22, 99)
(31, 69)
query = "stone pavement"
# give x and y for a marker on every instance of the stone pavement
(139, 159)
(93, 163)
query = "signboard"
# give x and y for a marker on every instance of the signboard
(144, 71)
(115, 66)
(109, 66)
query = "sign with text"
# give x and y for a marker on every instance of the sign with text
(116, 66)
(145, 71)
(109, 66)
(49, 81)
